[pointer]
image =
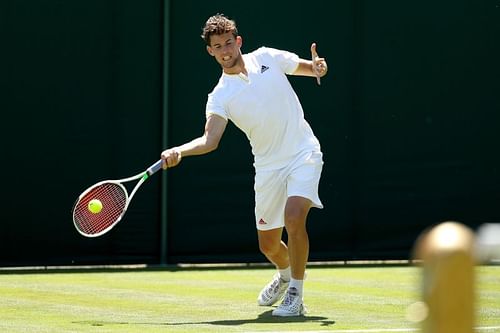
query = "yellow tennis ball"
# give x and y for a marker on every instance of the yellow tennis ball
(95, 206)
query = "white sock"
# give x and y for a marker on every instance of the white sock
(297, 284)
(285, 274)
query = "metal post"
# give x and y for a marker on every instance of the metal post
(165, 115)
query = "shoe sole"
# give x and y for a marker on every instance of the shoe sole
(277, 313)
(287, 314)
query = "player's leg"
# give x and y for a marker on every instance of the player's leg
(270, 200)
(275, 250)
(302, 191)
(296, 211)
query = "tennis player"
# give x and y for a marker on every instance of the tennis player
(255, 94)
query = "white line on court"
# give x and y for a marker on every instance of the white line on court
(375, 330)
(378, 330)
(488, 328)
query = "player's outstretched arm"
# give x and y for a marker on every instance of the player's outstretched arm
(316, 67)
(209, 141)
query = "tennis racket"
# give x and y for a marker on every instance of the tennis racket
(113, 197)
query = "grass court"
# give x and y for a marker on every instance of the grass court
(347, 299)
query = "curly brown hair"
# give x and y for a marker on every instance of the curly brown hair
(217, 25)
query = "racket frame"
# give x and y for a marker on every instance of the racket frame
(142, 176)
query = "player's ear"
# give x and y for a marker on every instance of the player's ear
(239, 41)
(210, 51)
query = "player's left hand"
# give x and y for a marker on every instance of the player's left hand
(319, 65)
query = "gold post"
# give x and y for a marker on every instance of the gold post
(446, 252)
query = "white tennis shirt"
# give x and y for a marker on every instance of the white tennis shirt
(265, 107)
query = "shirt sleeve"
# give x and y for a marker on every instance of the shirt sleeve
(287, 61)
(215, 107)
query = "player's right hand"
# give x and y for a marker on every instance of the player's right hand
(171, 157)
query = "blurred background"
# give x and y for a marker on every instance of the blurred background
(408, 118)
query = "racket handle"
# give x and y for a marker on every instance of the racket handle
(155, 167)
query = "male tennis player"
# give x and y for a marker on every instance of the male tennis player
(254, 93)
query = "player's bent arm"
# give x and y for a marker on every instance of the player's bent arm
(306, 68)
(209, 141)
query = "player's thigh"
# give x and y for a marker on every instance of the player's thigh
(303, 180)
(296, 209)
(270, 200)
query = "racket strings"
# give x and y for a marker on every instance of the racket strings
(114, 201)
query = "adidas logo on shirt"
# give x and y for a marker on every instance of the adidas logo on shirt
(263, 69)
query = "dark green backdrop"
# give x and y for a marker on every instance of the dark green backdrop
(408, 118)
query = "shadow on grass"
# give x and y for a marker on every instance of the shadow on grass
(263, 318)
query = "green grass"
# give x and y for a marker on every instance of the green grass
(218, 300)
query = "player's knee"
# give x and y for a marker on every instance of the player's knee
(269, 248)
(296, 212)
(295, 223)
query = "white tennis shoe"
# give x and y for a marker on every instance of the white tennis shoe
(273, 291)
(292, 305)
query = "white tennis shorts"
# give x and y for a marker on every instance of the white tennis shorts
(274, 187)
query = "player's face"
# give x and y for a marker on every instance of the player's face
(226, 50)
